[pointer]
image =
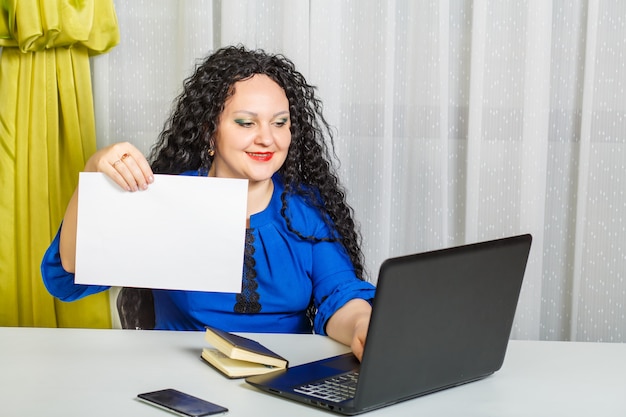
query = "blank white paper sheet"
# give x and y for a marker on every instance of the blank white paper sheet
(182, 233)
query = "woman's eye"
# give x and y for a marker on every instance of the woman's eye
(244, 123)
(280, 123)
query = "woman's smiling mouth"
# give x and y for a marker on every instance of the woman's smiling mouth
(261, 156)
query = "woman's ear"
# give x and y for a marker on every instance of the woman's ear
(211, 140)
(211, 147)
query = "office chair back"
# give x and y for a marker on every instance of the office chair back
(135, 307)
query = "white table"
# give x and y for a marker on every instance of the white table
(78, 372)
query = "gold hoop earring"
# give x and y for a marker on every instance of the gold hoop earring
(211, 152)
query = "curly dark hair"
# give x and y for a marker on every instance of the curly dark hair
(308, 171)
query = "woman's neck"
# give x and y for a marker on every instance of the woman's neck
(259, 194)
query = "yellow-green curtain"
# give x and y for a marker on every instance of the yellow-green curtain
(47, 132)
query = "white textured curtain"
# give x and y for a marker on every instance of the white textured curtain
(457, 121)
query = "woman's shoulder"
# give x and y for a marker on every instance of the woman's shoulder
(302, 208)
(194, 173)
(305, 198)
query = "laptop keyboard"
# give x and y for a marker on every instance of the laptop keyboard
(336, 389)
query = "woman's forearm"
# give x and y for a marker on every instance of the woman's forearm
(67, 245)
(349, 325)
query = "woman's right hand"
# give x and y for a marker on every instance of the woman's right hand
(127, 167)
(124, 163)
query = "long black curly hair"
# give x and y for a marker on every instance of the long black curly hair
(308, 171)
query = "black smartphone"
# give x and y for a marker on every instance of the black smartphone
(180, 403)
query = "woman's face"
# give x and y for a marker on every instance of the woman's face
(253, 135)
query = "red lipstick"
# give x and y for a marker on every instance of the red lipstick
(261, 156)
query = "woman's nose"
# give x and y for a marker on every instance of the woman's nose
(265, 135)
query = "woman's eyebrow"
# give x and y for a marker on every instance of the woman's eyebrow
(251, 113)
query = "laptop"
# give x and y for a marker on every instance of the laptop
(439, 319)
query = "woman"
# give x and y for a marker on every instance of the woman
(248, 114)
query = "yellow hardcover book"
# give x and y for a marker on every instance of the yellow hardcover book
(234, 368)
(240, 356)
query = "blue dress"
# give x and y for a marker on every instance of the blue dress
(282, 275)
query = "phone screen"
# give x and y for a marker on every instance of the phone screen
(181, 403)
